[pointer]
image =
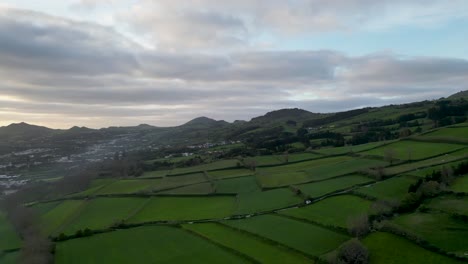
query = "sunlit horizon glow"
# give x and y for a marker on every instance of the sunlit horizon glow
(100, 63)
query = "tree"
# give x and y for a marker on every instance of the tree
(389, 155)
(352, 252)
(358, 226)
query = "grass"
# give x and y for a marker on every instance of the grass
(392, 189)
(128, 186)
(317, 189)
(179, 181)
(224, 174)
(237, 185)
(199, 188)
(387, 248)
(43, 208)
(316, 170)
(425, 171)
(456, 132)
(350, 149)
(413, 150)
(460, 184)
(333, 211)
(439, 229)
(8, 237)
(248, 203)
(102, 213)
(256, 248)
(412, 166)
(160, 244)
(185, 208)
(10, 258)
(154, 174)
(307, 238)
(60, 215)
(450, 204)
(222, 164)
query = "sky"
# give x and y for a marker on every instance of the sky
(100, 63)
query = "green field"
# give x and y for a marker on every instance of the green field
(222, 164)
(160, 244)
(413, 150)
(54, 220)
(350, 149)
(128, 186)
(102, 213)
(43, 208)
(439, 229)
(449, 204)
(178, 181)
(307, 238)
(10, 258)
(185, 208)
(314, 170)
(317, 189)
(460, 184)
(250, 245)
(223, 174)
(8, 237)
(425, 171)
(333, 211)
(154, 174)
(456, 132)
(387, 248)
(198, 188)
(413, 166)
(248, 203)
(392, 189)
(237, 185)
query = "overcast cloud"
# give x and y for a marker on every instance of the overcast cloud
(205, 60)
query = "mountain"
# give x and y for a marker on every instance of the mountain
(294, 114)
(461, 94)
(204, 122)
(24, 131)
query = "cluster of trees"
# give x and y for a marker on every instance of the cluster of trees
(431, 185)
(448, 112)
(36, 248)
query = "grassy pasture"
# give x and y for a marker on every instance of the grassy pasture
(250, 245)
(179, 181)
(199, 188)
(224, 174)
(425, 171)
(334, 211)
(102, 213)
(43, 208)
(307, 238)
(349, 149)
(409, 167)
(222, 164)
(128, 186)
(456, 132)
(10, 258)
(60, 215)
(460, 184)
(317, 189)
(413, 150)
(154, 174)
(237, 185)
(314, 170)
(387, 248)
(450, 204)
(161, 244)
(185, 208)
(248, 203)
(392, 189)
(8, 237)
(438, 229)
